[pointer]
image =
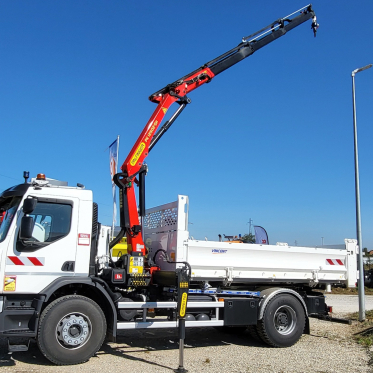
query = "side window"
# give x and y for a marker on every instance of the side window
(51, 221)
(8, 211)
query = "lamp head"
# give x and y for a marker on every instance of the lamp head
(361, 69)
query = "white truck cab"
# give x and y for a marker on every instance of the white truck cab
(60, 241)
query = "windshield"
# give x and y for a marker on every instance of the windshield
(9, 206)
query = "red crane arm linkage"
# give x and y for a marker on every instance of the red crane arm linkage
(140, 150)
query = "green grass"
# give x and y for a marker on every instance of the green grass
(365, 340)
(350, 291)
(368, 315)
(364, 337)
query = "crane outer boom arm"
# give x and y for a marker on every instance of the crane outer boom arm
(245, 49)
(177, 92)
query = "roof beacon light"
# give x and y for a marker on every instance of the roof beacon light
(40, 177)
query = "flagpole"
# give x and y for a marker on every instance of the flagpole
(114, 209)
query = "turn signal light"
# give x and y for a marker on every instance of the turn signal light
(221, 299)
(40, 177)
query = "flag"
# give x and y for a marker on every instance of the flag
(261, 236)
(113, 153)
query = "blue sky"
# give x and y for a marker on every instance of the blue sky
(269, 139)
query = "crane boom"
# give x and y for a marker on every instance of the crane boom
(134, 169)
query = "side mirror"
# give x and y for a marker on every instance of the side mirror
(29, 205)
(27, 227)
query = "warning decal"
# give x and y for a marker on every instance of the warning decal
(25, 261)
(184, 299)
(334, 262)
(137, 154)
(84, 239)
(10, 283)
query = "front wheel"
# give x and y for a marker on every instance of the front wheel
(283, 321)
(71, 330)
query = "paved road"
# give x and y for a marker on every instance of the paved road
(347, 303)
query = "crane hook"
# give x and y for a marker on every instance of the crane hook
(314, 25)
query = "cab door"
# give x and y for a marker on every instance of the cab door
(49, 254)
(7, 227)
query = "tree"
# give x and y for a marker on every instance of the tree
(248, 238)
(368, 256)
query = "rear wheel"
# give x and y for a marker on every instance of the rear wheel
(71, 330)
(283, 321)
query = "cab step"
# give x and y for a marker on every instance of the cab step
(18, 348)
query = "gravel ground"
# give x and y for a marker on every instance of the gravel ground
(329, 348)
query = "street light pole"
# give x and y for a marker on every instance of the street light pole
(357, 195)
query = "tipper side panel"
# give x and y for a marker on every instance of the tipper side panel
(352, 250)
(166, 228)
(252, 263)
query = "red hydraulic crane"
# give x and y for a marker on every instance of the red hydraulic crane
(134, 169)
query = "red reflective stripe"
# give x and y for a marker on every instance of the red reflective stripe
(330, 261)
(15, 260)
(34, 261)
(339, 261)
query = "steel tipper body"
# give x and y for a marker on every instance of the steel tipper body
(222, 263)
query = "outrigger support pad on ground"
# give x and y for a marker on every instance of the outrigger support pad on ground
(181, 368)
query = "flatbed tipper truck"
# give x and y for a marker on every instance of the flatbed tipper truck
(62, 288)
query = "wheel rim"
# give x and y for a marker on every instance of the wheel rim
(73, 330)
(285, 320)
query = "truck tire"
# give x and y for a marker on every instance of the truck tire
(71, 330)
(283, 321)
(253, 331)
